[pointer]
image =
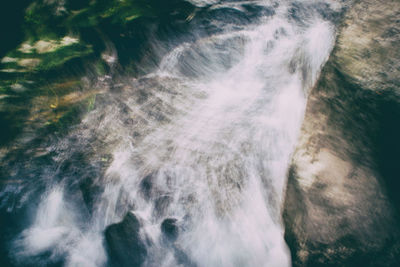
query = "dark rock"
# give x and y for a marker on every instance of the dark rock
(146, 185)
(123, 242)
(230, 16)
(256, 11)
(161, 205)
(170, 229)
(183, 259)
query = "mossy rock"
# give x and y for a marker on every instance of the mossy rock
(62, 41)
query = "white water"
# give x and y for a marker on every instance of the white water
(233, 104)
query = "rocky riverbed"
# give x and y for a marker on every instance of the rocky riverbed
(166, 128)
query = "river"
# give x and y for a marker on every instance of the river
(202, 142)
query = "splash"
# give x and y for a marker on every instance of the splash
(204, 141)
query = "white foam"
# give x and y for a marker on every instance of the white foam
(221, 156)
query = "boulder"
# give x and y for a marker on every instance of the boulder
(341, 206)
(123, 243)
(170, 229)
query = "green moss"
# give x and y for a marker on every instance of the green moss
(91, 102)
(100, 67)
(9, 65)
(32, 15)
(82, 18)
(40, 22)
(45, 61)
(117, 12)
(62, 55)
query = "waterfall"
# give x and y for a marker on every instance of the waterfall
(204, 140)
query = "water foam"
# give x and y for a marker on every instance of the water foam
(220, 156)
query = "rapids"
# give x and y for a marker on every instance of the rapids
(204, 138)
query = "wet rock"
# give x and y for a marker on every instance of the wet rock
(123, 242)
(340, 207)
(8, 60)
(29, 62)
(161, 205)
(253, 11)
(183, 259)
(151, 189)
(146, 185)
(169, 227)
(367, 50)
(18, 88)
(230, 16)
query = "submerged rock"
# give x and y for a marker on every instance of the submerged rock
(161, 205)
(341, 208)
(169, 228)
(124, 245)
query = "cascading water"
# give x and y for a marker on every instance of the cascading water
(202, 143)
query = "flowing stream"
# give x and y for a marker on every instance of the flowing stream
(204, 140)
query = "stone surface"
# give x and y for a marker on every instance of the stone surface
(368, 47)
(124, 244)
(341, 208)
(169, 228)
